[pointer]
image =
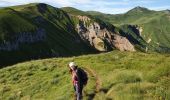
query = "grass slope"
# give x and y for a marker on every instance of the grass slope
(61, 37)
(74, 11)
(112, 76)
(11, 23)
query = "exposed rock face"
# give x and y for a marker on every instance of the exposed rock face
(100, 37)
(123, 44)
(26, 37)
(92, 33)
(83, 18)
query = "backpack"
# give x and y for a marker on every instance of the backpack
(83, 77)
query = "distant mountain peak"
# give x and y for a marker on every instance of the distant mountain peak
(37, 4)
(139, 9)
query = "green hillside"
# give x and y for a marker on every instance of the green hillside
(129, 17)
(37, 31)
(12, 23)
(74, 11)
(130, 33)
(29, 34)
(112, 76)
(155, 25)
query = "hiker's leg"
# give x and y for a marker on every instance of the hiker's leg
(78, 92)
(81, 90)
(75, 93)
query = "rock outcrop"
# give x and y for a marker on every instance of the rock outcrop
(92, 33)
(122, 43)
(100, 37)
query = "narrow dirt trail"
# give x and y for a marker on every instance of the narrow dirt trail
(97, 78)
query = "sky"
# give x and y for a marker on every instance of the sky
(105, 6)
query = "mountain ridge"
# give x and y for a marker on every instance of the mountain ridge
(71, 32)
(151, 23)
(54, 24)
(62, 33)
(137, 8)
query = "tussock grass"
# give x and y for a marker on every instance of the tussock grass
(117, 76)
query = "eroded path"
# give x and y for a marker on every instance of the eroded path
(98, 82)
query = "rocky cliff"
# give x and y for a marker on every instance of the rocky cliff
(101, 36)
(122, 43)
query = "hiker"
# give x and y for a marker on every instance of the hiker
(79, 79)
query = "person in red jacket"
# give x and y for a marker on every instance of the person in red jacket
(76, 81)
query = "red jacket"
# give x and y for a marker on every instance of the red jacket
(74, 77)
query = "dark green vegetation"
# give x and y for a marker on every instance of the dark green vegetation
(57, 34)
(155, 25)
(50, 32)
(37, 30)
(74, 11)
(114, 76)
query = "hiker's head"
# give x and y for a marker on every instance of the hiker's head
(72, 66)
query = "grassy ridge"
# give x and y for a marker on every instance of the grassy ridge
(115, 75)
(74, 11)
